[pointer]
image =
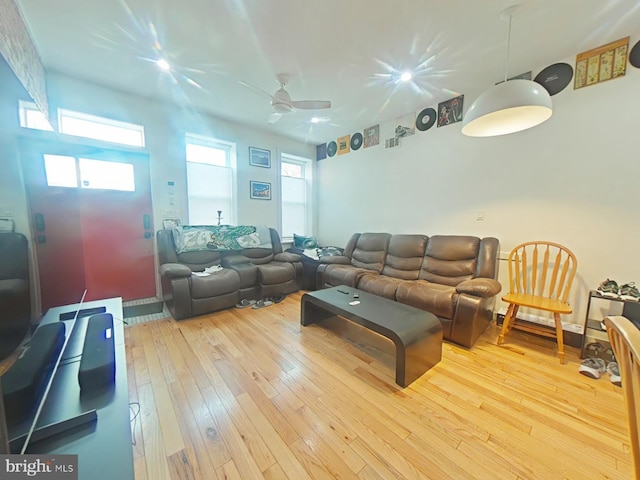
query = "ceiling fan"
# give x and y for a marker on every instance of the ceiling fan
(281, 102)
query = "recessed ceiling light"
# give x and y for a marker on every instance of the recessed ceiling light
(406, 76)
(163, 64)
(315, 120)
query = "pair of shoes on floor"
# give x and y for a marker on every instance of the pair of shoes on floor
(595, 367)
(628, 291)
(263, 302)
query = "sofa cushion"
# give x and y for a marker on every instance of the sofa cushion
(433, 297)
(404, 256)
(370, 251)
(275, 273)
(380, 285)
(450, 259)
(337, 274)
(218, 283)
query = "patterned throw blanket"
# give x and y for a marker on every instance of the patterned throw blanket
(193, 238)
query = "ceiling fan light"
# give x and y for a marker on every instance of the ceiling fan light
(509, 107)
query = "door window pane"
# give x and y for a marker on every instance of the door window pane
(60, 171)
(106, 175)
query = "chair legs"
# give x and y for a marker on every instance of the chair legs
(559, 336)
(510, 317)
(512, 310)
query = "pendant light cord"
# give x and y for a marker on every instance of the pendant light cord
(506, 61)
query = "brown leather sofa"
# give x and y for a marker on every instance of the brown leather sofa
(250, 273)
(453, 277)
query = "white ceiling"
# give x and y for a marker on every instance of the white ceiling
(333, 50)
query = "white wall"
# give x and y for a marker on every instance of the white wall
(574, 180)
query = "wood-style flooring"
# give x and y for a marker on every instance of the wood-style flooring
(250, 394)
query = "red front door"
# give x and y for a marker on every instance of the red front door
(94, 233)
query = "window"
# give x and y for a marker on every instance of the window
(62, 171)
(296, 195)
(210, 180)
(100, 128)
(32, 117)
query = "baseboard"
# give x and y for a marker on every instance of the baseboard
(570, 338)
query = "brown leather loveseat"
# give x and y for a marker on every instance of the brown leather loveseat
(248, 273)
(453, 277)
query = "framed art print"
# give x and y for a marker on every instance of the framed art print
(259, 157)
(260, 190)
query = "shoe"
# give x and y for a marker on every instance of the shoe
(628, 291)
(244, 303)
(609, 288)
(614, 371)
(593, 367)
(278, 298)
(262, 304)
(594, 350)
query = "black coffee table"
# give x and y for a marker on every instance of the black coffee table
(417, 334)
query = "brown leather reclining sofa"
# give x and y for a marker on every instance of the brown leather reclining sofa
(250, 273)
(453, 277)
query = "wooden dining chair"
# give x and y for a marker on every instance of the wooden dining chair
(625, 341)
(540, 277)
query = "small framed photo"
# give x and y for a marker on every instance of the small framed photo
(259, 157)
(260, 190)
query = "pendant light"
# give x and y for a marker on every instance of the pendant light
(509, 107)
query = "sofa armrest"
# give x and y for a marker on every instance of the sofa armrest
(286, 257)
(174, 270)
(235, 259)
(480, 287)
(339, 259)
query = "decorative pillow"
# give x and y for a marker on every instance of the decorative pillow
(304, 242)
(329, 251)
(193, 238)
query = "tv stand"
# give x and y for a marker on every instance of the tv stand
(94, 426)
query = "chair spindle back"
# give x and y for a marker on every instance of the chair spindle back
(550, 276)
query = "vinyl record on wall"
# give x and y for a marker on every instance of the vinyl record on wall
(634, 55)
(356, 141)
(555, 77)
(332, 148)
(425, 119)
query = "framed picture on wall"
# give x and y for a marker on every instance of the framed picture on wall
(260, 190)
(259, 157)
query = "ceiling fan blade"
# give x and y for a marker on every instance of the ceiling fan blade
(255, 89)
(274, 117)
(311, 104)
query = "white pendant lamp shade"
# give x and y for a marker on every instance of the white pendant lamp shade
(508, 107)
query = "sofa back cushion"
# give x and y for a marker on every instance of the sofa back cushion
(450, 259)
(260, 256)
(370, 251)
(405, 254)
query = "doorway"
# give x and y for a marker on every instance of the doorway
(91, 217)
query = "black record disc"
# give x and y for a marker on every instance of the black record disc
(425, 119)
(555, 77)
(634, 55)
(356, 141)
(332, 148)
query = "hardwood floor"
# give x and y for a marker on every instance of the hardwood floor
(244, 394)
